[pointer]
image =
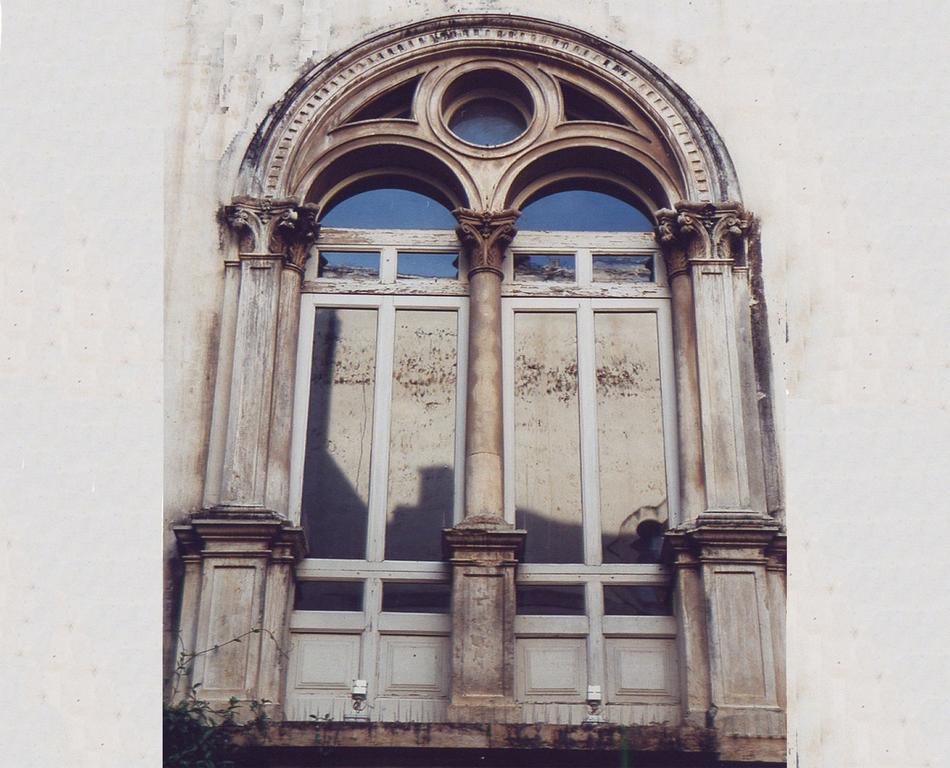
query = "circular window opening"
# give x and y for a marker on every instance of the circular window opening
(487, 107)
(488, 121)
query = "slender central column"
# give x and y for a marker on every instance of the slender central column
(483, 548)
(484, 235)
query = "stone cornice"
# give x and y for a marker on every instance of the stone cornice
(283, 229)
(485, 235)
(723, 537)
(698, 232)
(233, 536)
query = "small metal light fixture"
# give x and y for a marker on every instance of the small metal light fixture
(594, 700)
(358, 695)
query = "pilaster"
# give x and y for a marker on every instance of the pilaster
(705, 242)
(731, 560)
(235, 606)
(273, 241)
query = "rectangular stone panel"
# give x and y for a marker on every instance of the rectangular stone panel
(230, 616)
(738, 638)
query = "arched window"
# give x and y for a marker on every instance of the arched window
(486, 341)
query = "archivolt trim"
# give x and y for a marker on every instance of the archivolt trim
(708, 171)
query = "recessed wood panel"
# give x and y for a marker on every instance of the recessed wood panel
(327, 662)
(641, 669)
(414, 666)
(551, 668)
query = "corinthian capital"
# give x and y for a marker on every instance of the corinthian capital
(283, 228)
(485, 235)
(701, 232)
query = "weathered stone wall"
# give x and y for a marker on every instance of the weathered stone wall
(835, 117)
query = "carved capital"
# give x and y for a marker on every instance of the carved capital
(484, 236)
(694, 232)
(283, 228)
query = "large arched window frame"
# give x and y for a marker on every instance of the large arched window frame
(592, 114)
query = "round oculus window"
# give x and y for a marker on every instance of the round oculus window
(488, 121)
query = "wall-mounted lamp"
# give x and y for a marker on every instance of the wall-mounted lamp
(594, 700)
(358, 695)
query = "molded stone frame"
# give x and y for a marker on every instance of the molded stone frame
(728, 549)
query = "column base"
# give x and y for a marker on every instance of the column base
(483, 559)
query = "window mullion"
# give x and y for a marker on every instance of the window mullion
(587, 396)
(461, 394)
(379, 478)
(595, 633)
(508, 405)
(372, 605)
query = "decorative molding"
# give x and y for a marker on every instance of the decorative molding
(485, 235)
(701, 156)
(282, 228)
(702, 232)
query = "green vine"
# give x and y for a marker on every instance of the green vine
(195, 734)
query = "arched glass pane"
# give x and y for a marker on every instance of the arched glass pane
(583, 210)
(389, 208)
(487, 122)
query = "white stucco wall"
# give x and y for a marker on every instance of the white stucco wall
(835, 117)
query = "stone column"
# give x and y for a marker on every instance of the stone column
(240, 550)
(726, 595)
(483, 549)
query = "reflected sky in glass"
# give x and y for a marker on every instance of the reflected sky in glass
(581, 210)
(349, 265)
(540, 268)
(623, 269)
(389, 208)
(487, 122)
(427, 265)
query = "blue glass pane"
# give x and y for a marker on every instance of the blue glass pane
(350, 265)
(389, 208)
(540, 268)
(434, 265)
(582, 210)
(487, 122)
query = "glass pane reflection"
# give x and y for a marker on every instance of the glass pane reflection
(487, 122)
(389, 208)
(349, 265)
(428, 265)
(583, 210)
(623, 269)
(539, 268)
(550, 599)
(637, 600)
(423, 597)
(329, 596)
